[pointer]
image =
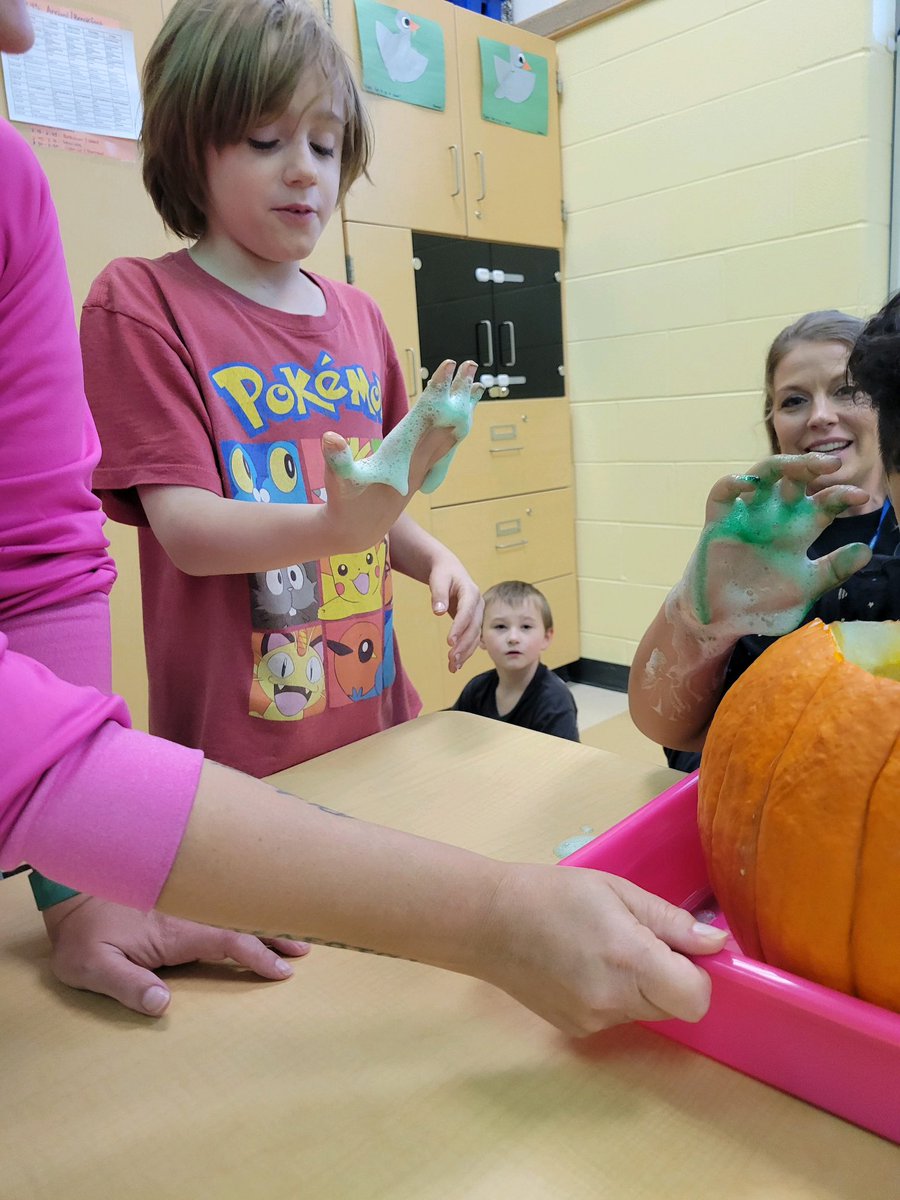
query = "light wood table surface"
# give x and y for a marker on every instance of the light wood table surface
(365, 1078)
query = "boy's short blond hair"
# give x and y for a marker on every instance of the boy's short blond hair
(514, 591)
(221, 68)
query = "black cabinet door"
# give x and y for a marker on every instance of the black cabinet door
(498, 305)
(454, 308)
(528, 319)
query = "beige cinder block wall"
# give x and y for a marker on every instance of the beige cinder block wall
(726, 167)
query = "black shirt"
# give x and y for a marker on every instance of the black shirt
(546, 705)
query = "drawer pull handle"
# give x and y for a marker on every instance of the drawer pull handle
(504, 433)
(508, 528)
(414, 378)
(510, 545)
(454, 151)
(505, 449)
(482, 175)
(510, 360)
(488, 358)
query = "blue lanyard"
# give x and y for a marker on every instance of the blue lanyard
(885, 509)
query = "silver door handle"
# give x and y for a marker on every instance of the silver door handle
(454, 152)
(412, 388)
(490, 338)
(511, 361)
(483, 176)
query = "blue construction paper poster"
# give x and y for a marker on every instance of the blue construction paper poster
(514, 87)
(402, 54)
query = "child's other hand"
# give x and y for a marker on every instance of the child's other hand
(454, 591)
(750, 572)
(586, 950)
(107, 948)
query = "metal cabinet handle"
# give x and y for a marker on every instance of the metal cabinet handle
(482, 174)
(510, 545)
(511, 361)
(457, 175)
(412, 388)
(489, 329)
(506, 449)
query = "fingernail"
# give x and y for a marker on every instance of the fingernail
(284, 968)
(155, 1001)
(710, 931)
(440, 607)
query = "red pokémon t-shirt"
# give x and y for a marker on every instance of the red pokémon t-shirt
(193, 384)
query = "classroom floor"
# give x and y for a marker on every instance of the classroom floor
(603, 722)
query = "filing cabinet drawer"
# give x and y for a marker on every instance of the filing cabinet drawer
(519, 537)
(514, 447)
(562, 596)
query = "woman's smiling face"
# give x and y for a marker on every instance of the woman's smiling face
(814, 409)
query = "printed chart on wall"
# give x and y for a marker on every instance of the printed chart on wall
(513, 87)
(78, 84)
(402, 54)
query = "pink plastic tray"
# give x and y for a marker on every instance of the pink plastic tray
(837, 1052)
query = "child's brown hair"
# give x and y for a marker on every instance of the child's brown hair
(217, 70)
(514, 591)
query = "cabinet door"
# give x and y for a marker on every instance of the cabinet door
(527, 315)
(497, 304)
(562, 596)
(513, 179)
(454, 309)
(328, 256)
(416, 173)
(382, 262)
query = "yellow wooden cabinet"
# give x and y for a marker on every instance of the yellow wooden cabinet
(451, 171)
(416, 173)
(515, 446)
(512, 537)
(512, 179)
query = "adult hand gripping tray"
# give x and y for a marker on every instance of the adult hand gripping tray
(838, 1053)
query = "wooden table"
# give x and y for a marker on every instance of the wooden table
(364, 1078)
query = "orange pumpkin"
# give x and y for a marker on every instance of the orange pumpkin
(799, 807)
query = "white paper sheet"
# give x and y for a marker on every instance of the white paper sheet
(77, 75)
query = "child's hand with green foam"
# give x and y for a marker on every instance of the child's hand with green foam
(415, 455)
(363, 499)
(750, 573)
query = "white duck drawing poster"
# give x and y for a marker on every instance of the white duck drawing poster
(402, 54)
(514, 86)
(515, 78)
(402, 61)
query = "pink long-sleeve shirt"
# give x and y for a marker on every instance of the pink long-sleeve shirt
(83, 798)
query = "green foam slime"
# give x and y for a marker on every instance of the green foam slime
(446, 404)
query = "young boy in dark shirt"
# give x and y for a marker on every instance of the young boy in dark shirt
(516, 629)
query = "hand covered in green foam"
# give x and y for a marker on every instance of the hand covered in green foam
(750, 572)
(447, 405)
